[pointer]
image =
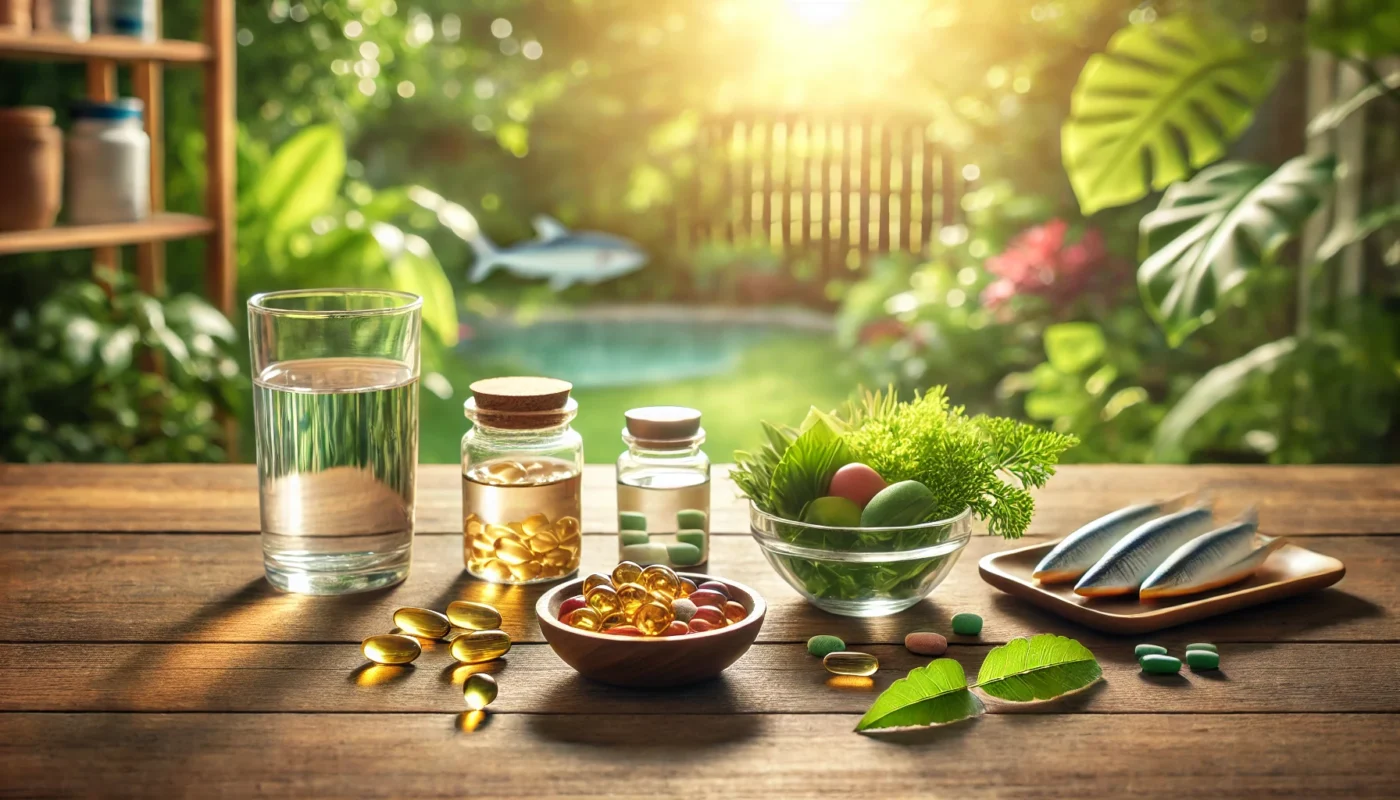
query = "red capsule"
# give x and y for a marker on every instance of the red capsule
(710, 615)
(623, 630)
(716, 586)
(700, 626)
(572, 604)
(677, 628)
(708, 597)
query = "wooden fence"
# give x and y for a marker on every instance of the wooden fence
(835, 188)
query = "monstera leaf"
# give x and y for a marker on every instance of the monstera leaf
(1210, 231)
(1164, 100)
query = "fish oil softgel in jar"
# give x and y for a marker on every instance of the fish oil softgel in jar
(522, 473)
(663, 488)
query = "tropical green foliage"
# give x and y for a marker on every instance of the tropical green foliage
(1210, 232)
(1162, 101)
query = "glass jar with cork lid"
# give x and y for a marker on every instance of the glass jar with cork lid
(663, 488)
(522, 475)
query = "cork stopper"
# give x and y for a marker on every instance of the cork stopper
(521, 403)
(663, 427)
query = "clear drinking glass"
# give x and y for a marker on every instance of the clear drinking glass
(335, 408)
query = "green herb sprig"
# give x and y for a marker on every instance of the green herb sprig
(986, 463)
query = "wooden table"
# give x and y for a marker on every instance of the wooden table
(143, 653)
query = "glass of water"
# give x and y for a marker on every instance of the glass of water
(335, 407)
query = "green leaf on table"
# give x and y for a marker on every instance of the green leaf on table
(1162, 101)
(804, 472)
(1042, 667)
(1211, 231)
(934, 694)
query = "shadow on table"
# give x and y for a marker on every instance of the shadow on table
(709, 713)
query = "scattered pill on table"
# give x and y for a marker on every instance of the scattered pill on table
(1203, 646)
(480, 646)
(967, 624)
(478, 616)
(1203, 659)
(422, 622)
(479, 690)
(926, 643)
(1149, 650)
(824, 644)
(1160, 664)
(848, 662)
(684, 609)
(391, 648)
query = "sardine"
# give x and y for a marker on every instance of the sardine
(1079, 551)
(1211, 560)
(1128, 563)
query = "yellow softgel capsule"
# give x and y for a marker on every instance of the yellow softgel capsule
(479, 646)
(512, 551)
(542, 542)
(558, 557)
(652, 619)
(527, 571)
(687, 586)
(604, 600)
(632, 595)
(626, 572)
(614, 619)
(847, 662)
(473, 616)
(391, 648)
(585, 619)
(659, 579)
(422, 622)
(594, 581)
(497, 571)
(479, 690)
(567, 529)
(534, 524)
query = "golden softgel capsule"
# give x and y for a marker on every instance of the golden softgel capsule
(391, 648)
(626, 572)
(479, 646)
(479, 690)
(652, 619)
(660, 580)
(473, 616)
(847, 662)
(422, 622)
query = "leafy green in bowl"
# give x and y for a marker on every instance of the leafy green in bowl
(861, 572)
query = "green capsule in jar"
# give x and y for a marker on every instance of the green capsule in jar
(473, 616)
(391, 648)
(479, 646)
(479, 690)
(422, 622)
(849, 662)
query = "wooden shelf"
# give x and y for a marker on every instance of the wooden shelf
(159, 228)
(48, 46)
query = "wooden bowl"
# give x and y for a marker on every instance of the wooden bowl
(650, 661)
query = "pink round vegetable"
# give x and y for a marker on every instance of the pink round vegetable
(857, 483)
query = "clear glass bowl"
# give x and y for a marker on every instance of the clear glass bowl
(861, 572)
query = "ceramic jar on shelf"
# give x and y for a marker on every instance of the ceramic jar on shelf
(31, 161)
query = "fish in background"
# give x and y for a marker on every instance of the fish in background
(1211, 560)
(1128, 562)
(564, 257)
(1079, 551)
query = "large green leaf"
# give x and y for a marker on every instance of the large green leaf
(1209, 232)
(805, 469)
(934, 694)
(1214, 388)
(302, 179)
(1339, 112)
(1163, 100)
(1356, 28)
(414, 268)
(1039, 668)
(1351, 230)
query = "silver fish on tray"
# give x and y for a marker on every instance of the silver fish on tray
(1127, 563)
(1211, 560)
(1079, 551)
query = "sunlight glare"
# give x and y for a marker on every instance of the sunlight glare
(822, 12)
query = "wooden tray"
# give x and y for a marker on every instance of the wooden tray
(1289, 570)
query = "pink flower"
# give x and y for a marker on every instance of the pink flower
(1038, 262)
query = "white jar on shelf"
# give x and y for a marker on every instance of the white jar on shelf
(71, 18)
(125, 18)
(108, 164)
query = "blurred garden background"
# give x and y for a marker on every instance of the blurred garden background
(1171, 228)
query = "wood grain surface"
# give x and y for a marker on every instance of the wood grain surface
(143, 654)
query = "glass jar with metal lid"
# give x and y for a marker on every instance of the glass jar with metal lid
(663, 488)
(522, 475)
